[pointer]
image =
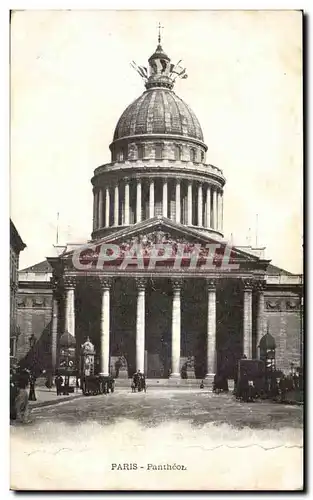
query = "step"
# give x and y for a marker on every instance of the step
(164, 382)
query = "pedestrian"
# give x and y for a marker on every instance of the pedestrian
(202, 385)
(21, 401)
(32, 394)
(282, 388)
(13, 394)
(136, 378)
(58, 383)
(244, 387)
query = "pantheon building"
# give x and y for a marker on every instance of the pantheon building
(157, 285)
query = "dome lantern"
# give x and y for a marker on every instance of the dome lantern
(159, 68)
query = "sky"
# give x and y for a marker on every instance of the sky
(71, 80)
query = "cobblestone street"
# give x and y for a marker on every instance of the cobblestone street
(220, 442)
(166, 404)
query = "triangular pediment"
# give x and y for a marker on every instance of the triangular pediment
(159, 229)
(159, 232)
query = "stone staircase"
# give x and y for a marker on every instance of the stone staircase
(164, 382)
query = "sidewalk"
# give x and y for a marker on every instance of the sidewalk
(46, 397)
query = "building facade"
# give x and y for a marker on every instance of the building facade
(16, 246)
(34, 309)
(158, 285)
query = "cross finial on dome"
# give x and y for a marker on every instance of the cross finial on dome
(159, 35)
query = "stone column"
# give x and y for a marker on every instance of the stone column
(208, 206)
(69, 286)
(100, 209)
(247, 318)
(211, 329)
(222, 212)
(151, 199)
(200, 205)
(116, 205)
(260, 319)
(126, 203)
(189, 204)
(140, 325)
(176, 328)
(177, 201)
(96, 203)
(214, 214)
(94, 219)
(138, 202)
(165, 198)
(107, 207)
(105, 284)
(54, 328)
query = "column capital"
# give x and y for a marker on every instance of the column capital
(177, 283)
(55, 286)
(259, 286)
(211, 284)
(69, 282)
(247, 283)
(141, 283)
(105, 282)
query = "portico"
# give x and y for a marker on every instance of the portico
(158, 318)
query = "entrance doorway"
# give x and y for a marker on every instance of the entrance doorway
(158, 328)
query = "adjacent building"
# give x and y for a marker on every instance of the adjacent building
(16, 246)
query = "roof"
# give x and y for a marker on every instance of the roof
(274, 270)
(158, 111)
(15, 239)
(41, 267)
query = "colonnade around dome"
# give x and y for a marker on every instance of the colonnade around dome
(130, 201)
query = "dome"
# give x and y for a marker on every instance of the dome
(67, 340)
(158, 111)
(267, 342)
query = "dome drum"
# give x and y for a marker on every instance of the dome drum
(145, 149)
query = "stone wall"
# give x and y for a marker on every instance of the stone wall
(34, 314)
(159, 149)
(282, 315)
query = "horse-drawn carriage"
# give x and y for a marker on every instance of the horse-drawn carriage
(252, 379)
(97, 384)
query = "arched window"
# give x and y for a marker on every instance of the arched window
(177, 152)
(192, 154)
(202, 156)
